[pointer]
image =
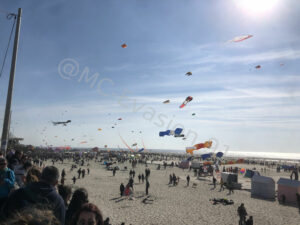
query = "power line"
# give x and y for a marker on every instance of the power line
(9, 16)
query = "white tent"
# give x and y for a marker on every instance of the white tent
(263, 187)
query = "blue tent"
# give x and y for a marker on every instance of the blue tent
(206, 156)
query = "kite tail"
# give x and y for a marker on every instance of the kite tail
(143, 145)
(126, 144)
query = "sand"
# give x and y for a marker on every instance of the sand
(175, 205)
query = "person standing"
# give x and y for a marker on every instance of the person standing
(242, 214)
(63, 173)
(249, 221)
(114, 171)
(221, 185)
(140, 177)
(79, 173)
(143, 177)
(147, 186)
(7, 181)
(214, 182)
(42, 192)
(122, 188)
(188, 180)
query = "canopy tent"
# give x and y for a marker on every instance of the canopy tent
(263, 187)
(229, 177)
(288, 188)
(184, 164)
(196, 164)
(251, 173)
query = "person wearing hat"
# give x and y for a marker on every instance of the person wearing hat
(7, 181)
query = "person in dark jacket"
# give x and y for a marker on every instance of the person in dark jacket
(79, 198)
(122, 189)
(249, 221)
(147, 186)
(39, 193)
(242, 214)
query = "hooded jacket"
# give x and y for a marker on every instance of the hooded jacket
(35, 193)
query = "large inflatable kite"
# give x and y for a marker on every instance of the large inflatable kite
(191, 150)
(177, 133)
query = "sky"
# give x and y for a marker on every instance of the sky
(71, 66)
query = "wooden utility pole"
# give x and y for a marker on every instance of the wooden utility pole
(6, 122)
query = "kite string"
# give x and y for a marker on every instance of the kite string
(9, 16)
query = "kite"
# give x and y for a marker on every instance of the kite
(219, 154)
(99, 129)
(187, 100)
(194, 114)
(135, 144)
(112, 127)
(189, 73)
(83, 142)
(206, 156)
(166, 102)
(142, 149)
(120, 119)
(124, 45)
(63, 123)
(240, 38)
(242, 171)
(177, 133)
(206, 144)
(258, 67)
(184, 138)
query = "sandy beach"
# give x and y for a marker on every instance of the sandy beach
(176, 204)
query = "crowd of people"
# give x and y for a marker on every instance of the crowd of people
(31, 191)
(32, 195)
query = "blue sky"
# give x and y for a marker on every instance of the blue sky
(237, 105)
